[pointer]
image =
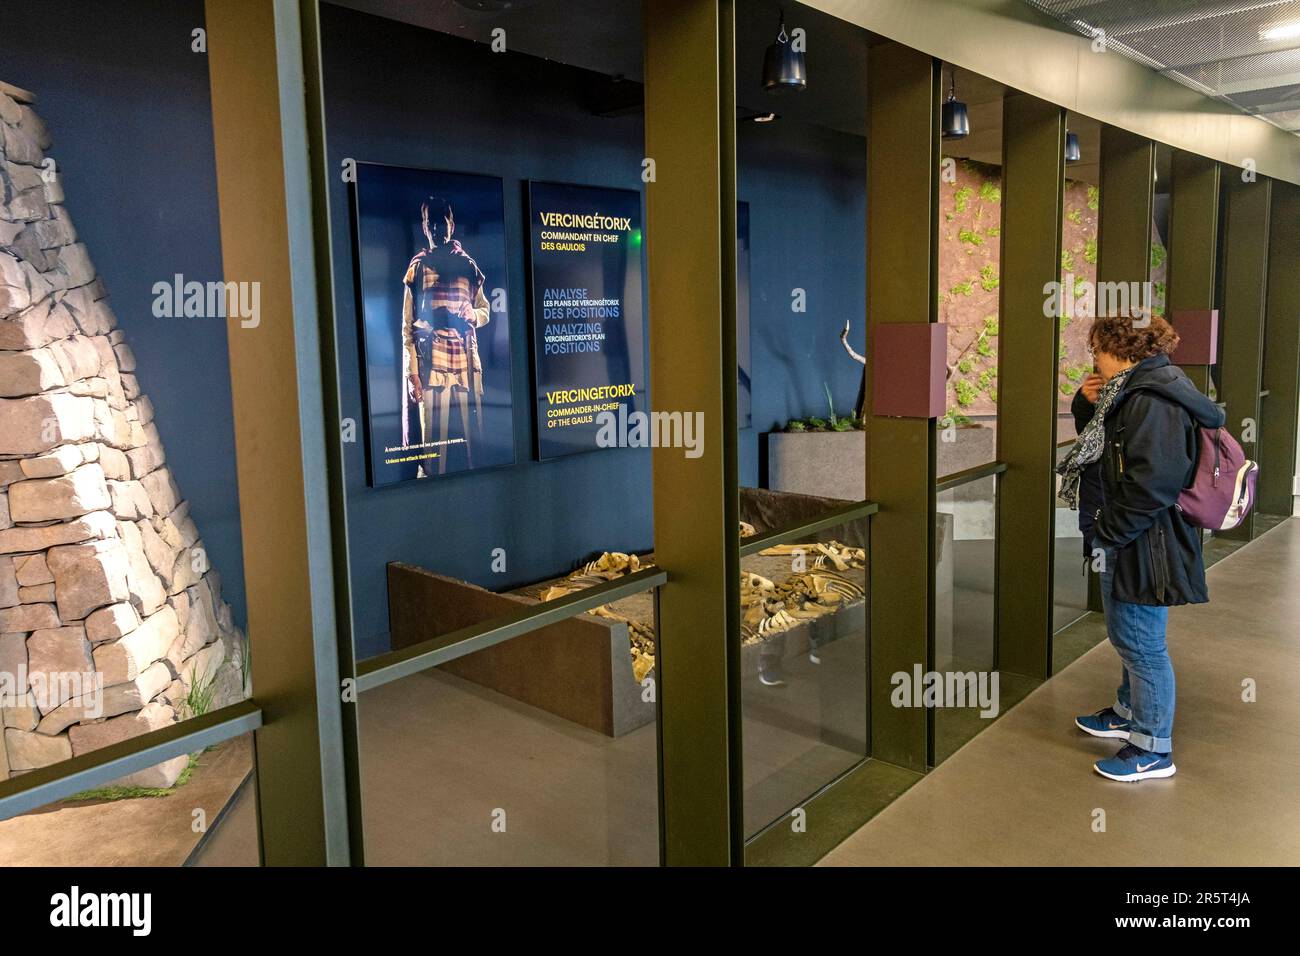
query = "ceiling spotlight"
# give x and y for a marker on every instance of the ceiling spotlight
(1284, 31)
(784, 67)
(956, 122)
(1072, 153)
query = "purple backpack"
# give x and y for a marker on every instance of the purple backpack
(1222, 491)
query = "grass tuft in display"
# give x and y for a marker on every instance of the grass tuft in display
(135, 793)
(830, 404)
(202, 691)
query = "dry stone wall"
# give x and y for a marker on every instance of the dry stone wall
(109, 614)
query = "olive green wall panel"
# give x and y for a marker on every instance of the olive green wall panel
(690, 135)
(1128, 165)
(1281, 355)
(256, 76)
(1193, 241)
(1245, 281)
(902, 233)
(1033, 186)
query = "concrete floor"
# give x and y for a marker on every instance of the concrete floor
(1023, 792)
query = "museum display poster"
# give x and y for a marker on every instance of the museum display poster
(435, 363)
(588, 331)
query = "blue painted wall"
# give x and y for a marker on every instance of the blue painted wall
(128, 106)
(518, 117)
(808, 225)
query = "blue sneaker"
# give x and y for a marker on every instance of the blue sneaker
(1104, 723)
(1132, 764)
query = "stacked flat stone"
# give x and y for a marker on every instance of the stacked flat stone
(101, 567)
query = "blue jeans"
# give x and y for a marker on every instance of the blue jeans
(1146, 691)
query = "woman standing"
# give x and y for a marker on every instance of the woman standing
(1142, 433)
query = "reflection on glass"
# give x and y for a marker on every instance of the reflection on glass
(121, 563)
(1070, 573)
(208, 817)
(1078, 306)
(965, 520)
(801, 181)
(803, 666)
(970, 199)
(1078, 302)
(457, 773)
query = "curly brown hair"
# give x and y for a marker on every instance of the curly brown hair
(1117, 335)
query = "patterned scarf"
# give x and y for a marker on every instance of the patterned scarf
(1087, 448)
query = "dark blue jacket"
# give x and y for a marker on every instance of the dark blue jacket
(1148, 459)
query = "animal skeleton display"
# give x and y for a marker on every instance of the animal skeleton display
(611, 565)
(841, 556)
(768, 607)
(861, 405)
(819, 586)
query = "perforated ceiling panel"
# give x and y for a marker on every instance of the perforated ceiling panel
(1243, 53)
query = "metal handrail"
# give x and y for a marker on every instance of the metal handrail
(958, 478)
(46, 785)
(829, 519)
(386, 668)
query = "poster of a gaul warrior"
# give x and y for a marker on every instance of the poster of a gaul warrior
(437, 357)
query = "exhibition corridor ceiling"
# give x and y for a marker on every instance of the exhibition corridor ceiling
(1243, 53)
(604, 36)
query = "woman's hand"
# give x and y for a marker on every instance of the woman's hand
(1092, 386)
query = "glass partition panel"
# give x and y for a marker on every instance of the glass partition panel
(969, 251)
(1081, 209)
(198, 809)
(965, 614)
(480, 340)
(803, 667)
(501, 758)
(802, 356)
(493, 342)
(1070, 572)
(122, 599)
(801, 296)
